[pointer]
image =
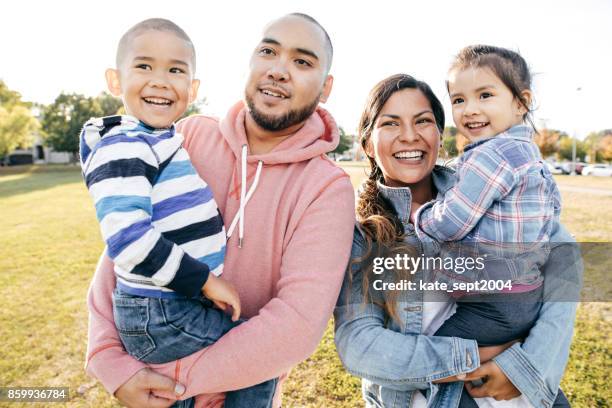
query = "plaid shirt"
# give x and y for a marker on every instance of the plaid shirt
(505, 198)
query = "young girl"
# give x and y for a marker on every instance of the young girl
(503, 206)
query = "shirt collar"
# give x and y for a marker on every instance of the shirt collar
(518, 132)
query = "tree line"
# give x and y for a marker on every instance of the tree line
(595, 147)
(59, 124)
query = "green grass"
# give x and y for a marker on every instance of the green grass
(49, 245)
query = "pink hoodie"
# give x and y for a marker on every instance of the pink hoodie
(297, 236)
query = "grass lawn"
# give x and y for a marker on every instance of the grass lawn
(48, 250)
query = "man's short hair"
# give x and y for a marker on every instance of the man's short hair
(328, 44)
(155, 24)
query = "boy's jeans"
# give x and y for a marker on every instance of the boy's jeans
(157, 331)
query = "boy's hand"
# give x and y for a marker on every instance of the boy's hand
(222, 294)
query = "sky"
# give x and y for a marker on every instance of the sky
(47, 47)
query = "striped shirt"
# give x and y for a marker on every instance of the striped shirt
(505, 199)
(158, 218)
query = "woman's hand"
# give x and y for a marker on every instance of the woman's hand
(497, 385)
(138, 390)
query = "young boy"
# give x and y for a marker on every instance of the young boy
(158, 218)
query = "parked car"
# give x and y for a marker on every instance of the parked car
(602, 170)
(553, 169)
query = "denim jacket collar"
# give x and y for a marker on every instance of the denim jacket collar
(401, 197)
(518, 132)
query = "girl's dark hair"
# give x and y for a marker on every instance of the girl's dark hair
(377, 218)
(509, 66)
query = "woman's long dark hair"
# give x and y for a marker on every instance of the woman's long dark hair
(383, 230)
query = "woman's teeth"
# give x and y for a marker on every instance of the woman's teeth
(158, 101)
(414, 155)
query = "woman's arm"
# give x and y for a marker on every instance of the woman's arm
(536, 366)
(395, 360)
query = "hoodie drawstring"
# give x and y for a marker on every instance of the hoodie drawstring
(244, 197)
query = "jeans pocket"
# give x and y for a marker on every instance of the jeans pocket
(131, 315)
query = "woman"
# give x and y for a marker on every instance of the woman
(382, 335)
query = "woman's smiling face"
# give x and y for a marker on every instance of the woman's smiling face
(405, 139)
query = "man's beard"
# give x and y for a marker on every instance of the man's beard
(276, 123)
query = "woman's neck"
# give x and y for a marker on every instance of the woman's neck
(423, 191)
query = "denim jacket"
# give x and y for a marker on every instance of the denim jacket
(394, 359)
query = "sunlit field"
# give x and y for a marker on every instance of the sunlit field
(49, 245)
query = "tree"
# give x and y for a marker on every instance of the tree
(194, 108)
(461, 142)
(566, 144)
(16, 127)
(16, 121)
(597, 144)
(346, 141)
(109, 104)
(449, 141)
(605, 147)
(63, 119)
(9, 98)
(548, 141)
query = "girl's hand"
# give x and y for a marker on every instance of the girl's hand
(497, 385)
(138, 390)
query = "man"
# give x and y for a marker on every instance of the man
(289, 213)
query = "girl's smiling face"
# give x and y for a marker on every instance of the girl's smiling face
(405, 139)
(483, 106)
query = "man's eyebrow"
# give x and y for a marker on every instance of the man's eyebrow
(179, 62)
(305, 51)
(269, 40)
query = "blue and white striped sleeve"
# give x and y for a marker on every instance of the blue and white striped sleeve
(119, 173)
(483, 178)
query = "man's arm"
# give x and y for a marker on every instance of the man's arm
(106, 359)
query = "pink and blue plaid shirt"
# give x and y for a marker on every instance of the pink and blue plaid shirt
(505, 199)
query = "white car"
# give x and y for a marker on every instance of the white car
(553, 169)
(602, 170)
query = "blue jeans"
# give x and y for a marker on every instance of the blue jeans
(158, 331)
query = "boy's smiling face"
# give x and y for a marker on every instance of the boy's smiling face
(155, 78)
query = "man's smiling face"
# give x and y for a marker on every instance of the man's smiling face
(288, 74)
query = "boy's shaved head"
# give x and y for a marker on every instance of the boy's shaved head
(155, 24)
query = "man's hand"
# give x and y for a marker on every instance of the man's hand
(497, 385)
(222, 293)
(138, 391)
